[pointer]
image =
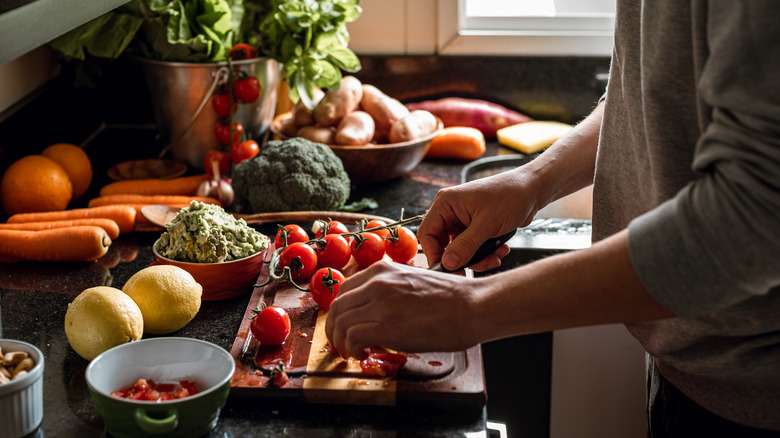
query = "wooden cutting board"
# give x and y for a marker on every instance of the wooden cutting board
(318, 375)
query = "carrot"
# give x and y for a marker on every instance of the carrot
(79, 243)
(124, 216)
(184, 185)
(111, 227)
(458, 142)
(149, 199)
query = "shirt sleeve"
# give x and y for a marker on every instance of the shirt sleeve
(717, 242)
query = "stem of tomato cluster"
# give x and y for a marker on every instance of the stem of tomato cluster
(286, 274)
(391, 225)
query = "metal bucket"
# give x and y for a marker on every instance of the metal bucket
(181, 98)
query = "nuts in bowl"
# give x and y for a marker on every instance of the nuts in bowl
(376, 137)
(222, 253)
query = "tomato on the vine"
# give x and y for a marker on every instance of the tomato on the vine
(270, 325)
(335, 253)
(222, 105)
(222, 132)
(332, 227)
(242, 51)
(384, 233)
(246, 89)
(301, 259)
(244, 150)
(401, 245)
(221, 158)
(325, 285)
(368, 248)
(295, 233)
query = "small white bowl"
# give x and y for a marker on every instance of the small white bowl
(21, 400)
(164, 360)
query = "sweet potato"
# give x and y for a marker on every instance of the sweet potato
(457, 142)
(318, 134)
(416, 124)
(338, 102)
(486, 116)
(302, 115)
(356, 128)
(383, 109)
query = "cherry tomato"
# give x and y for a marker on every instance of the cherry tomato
(301, 259)
(222, 132)
(368, 248)
(401, 246)
(270, 325)
(384, 233)
(335, 254)
(295, 233)
(244, 150)
(325, 285)
(221, 158)
(246, 89)
(242, 51)
(332, 227)
(221, 104)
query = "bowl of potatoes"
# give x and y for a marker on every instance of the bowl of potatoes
(375, 136)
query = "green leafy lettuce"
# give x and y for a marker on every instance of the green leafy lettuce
(308, 37)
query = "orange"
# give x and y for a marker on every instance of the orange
(75, 162)
(35, 183)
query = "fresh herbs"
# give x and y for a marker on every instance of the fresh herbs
(310, 39)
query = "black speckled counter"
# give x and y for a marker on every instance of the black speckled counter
(114, 124)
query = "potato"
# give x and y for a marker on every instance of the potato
(337, 103)
(356, 128)
(416, 124)
(302, 115)
(383, 109)
(318, 134)
(286, 125)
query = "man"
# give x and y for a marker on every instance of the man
(686, 156)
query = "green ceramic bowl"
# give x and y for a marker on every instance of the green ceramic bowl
(163, 360)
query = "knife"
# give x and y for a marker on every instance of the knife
(484, 250)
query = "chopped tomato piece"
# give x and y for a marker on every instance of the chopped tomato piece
(382, 363)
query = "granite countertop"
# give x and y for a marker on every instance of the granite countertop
(34, 298)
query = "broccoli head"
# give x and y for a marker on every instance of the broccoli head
(291, 175)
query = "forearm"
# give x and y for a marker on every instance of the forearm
(592, 286)
(569, 164)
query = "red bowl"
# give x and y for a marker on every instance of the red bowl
(220, 280)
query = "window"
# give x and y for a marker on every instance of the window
(526, 27)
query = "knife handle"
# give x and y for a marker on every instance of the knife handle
(484, 250)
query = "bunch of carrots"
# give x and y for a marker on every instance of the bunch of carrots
(84, 234)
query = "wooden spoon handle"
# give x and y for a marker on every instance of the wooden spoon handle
(309, 216)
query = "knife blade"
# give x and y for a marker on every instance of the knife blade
(484, 250)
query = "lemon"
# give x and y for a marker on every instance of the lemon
(168, 296)
(100, 318)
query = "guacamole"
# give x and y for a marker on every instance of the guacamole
(204, 233)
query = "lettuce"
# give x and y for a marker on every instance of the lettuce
(165, 30)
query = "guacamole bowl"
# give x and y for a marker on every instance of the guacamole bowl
(220, 280)
(177, 362)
